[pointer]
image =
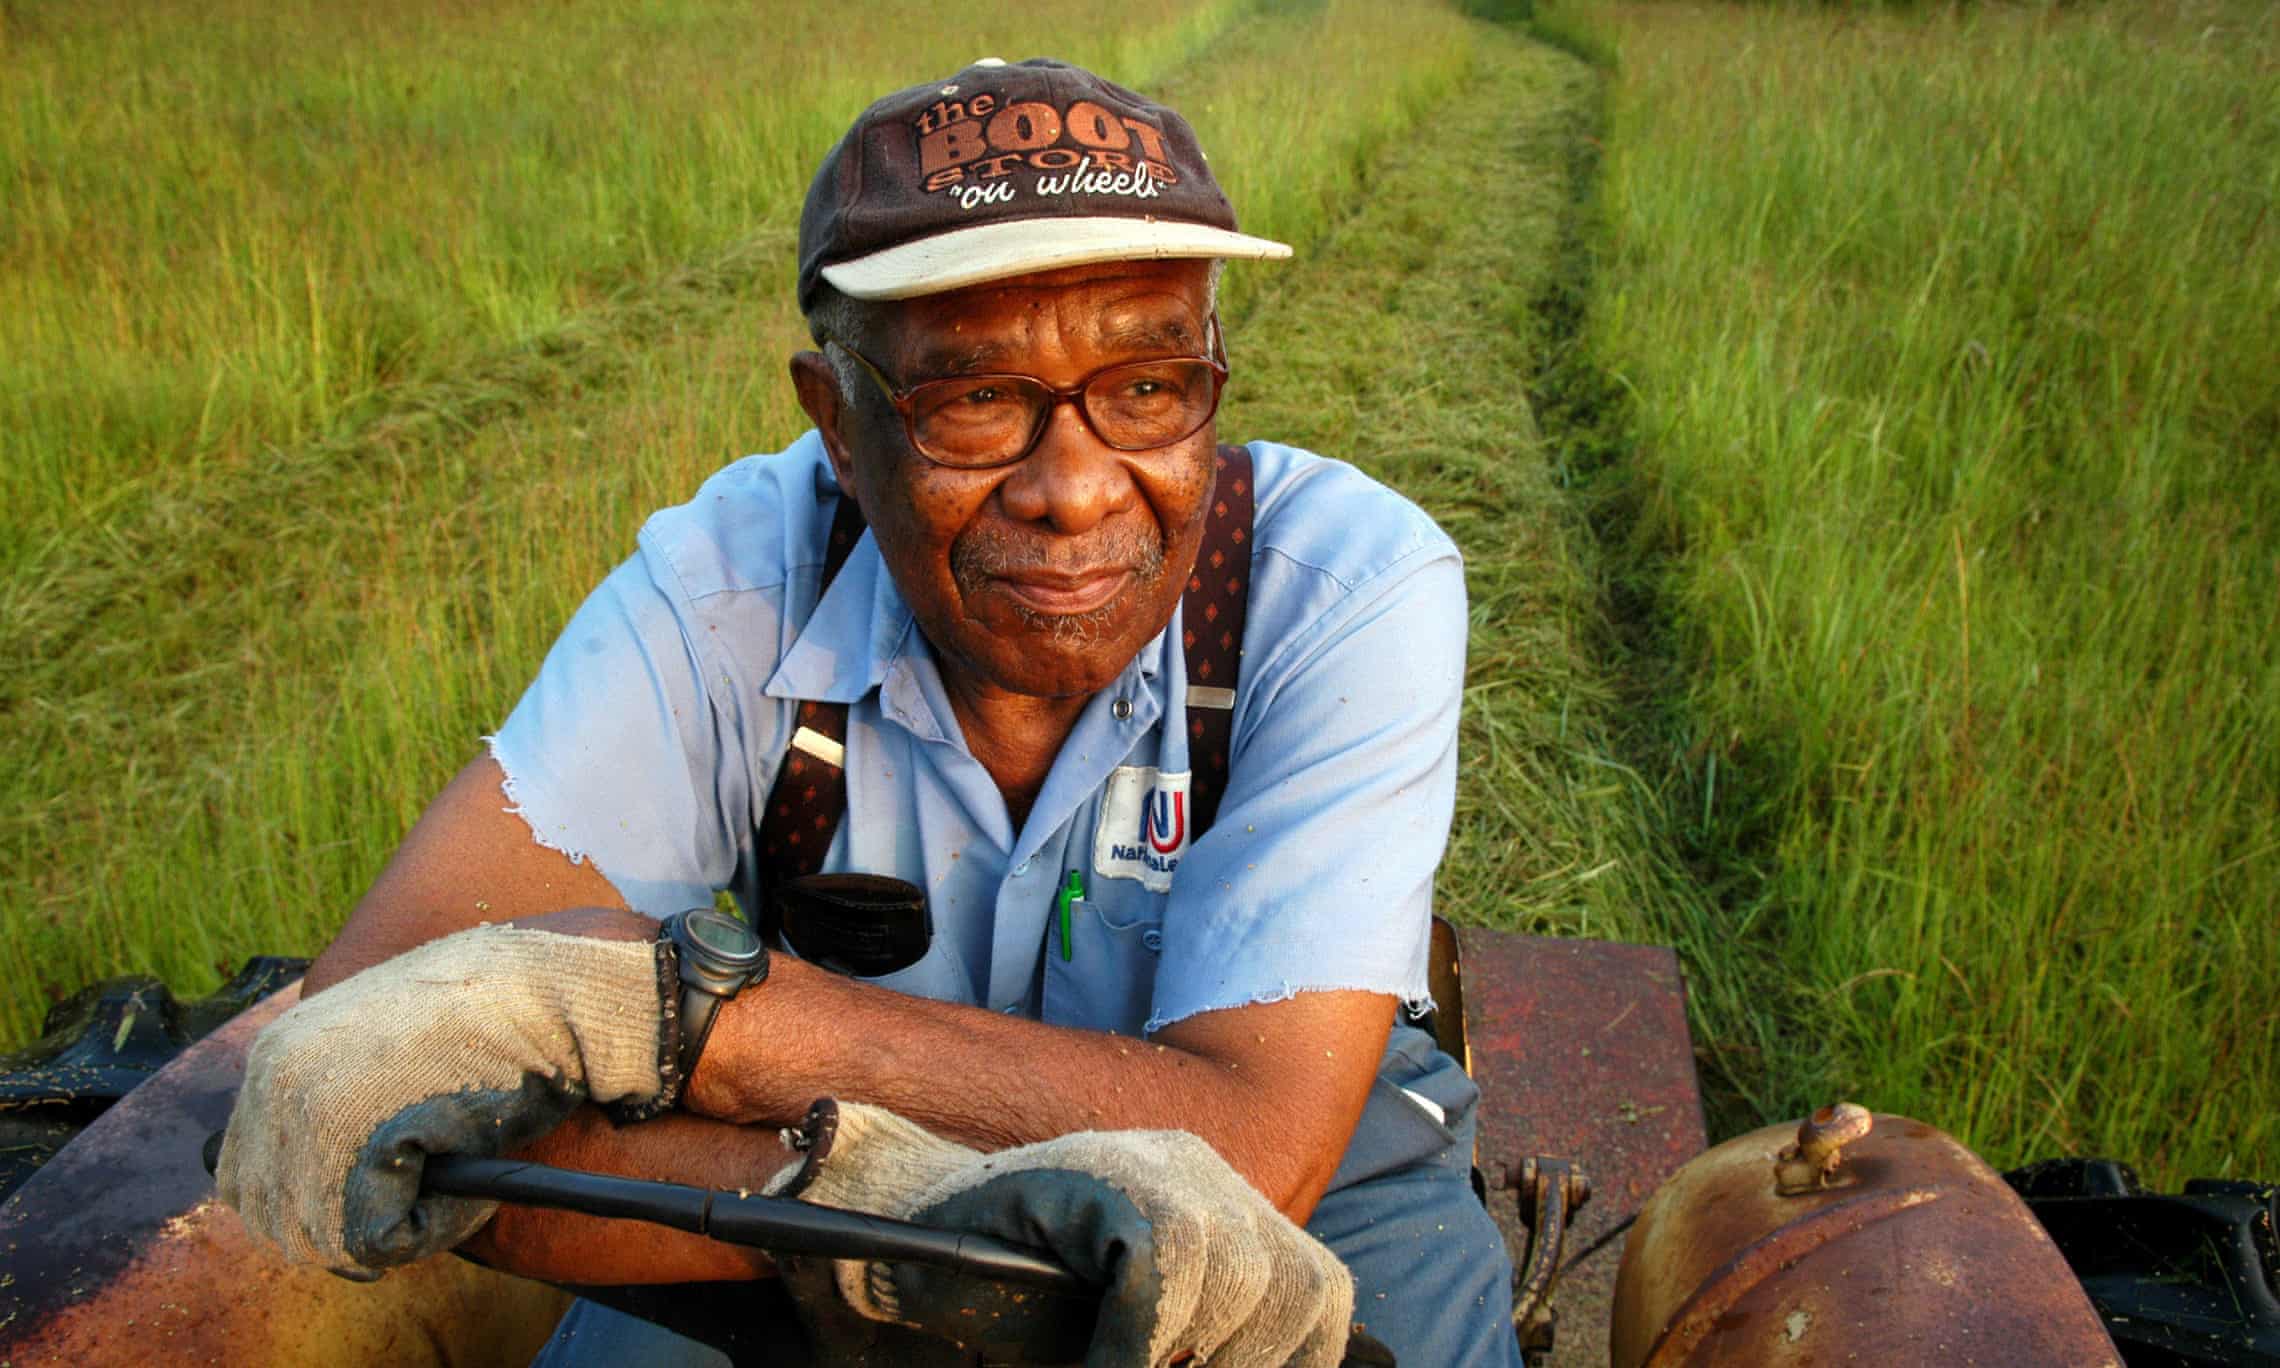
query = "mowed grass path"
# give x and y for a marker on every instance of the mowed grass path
(1951, 347)
(228, 696)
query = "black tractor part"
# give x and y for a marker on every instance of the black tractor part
(2185, 1281)
(98, 1044)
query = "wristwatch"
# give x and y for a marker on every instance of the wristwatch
(716, 957)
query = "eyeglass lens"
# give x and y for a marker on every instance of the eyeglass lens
(982, 420)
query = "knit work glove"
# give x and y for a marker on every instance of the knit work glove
(1191, 1258)
(472, 1044)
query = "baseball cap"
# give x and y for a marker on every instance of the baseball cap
(1007, 168)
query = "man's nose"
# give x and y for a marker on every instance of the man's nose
(1071, 479)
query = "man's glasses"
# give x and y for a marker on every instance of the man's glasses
(976, 421)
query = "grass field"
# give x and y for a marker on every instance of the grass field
(1874, 612)
(1949, 347)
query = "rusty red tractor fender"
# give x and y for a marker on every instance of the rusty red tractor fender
(116, 1252)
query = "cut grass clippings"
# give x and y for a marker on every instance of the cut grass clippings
(1403, 345)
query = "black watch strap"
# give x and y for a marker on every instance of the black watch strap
(698, 1009)
(716, 957)
(704, 958)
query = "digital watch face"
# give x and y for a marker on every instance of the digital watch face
(722, 937)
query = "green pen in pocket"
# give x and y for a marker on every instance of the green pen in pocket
(1064, 903)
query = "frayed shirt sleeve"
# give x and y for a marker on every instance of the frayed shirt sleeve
(616, 751)
(1318, 872)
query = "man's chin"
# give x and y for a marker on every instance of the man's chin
(1062, 655)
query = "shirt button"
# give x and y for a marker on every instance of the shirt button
(1122, 707)
(1153, 939)
(1021, 869)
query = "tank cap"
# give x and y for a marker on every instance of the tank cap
(1811, 1164)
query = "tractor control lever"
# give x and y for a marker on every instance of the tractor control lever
(778, 1224)
(1549, 1192)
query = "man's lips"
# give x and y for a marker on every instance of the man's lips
(1064, 595)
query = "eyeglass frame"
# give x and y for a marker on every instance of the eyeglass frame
(1072, 395)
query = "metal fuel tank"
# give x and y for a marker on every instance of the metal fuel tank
(1844, 1239)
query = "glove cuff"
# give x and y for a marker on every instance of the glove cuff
(865, 1158)
(671, 1082)
(812, 1140)
(605, 996)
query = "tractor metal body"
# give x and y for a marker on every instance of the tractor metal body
(115, 1251)
(1582, 1054)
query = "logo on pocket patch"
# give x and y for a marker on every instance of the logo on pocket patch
(1143, 830)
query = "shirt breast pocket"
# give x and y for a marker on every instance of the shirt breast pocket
(1100, 963)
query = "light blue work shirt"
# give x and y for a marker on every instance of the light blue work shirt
(655, 728)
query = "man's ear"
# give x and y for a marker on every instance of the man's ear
(818, 387)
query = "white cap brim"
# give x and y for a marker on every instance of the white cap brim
(996, 251)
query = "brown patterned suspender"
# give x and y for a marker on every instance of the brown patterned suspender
(810, 793)
(1212, 635)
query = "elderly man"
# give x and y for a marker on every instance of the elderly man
(1086, 779)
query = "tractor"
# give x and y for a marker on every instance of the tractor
(1847, 1237)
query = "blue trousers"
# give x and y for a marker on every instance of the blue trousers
(1432, 1278)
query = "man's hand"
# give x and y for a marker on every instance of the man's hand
(472, 1044)
(1191, 1257)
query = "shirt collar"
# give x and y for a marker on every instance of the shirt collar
(859, 629)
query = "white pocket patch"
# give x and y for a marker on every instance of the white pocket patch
(1143, 829)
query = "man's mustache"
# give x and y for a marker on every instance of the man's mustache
(991, 553)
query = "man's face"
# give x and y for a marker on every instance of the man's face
(1043, 577)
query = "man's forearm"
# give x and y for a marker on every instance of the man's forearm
(1275, 1088)
(562, 1247)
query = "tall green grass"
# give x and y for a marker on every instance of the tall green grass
(227, 224)
(226, 698)
(1951, 345)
